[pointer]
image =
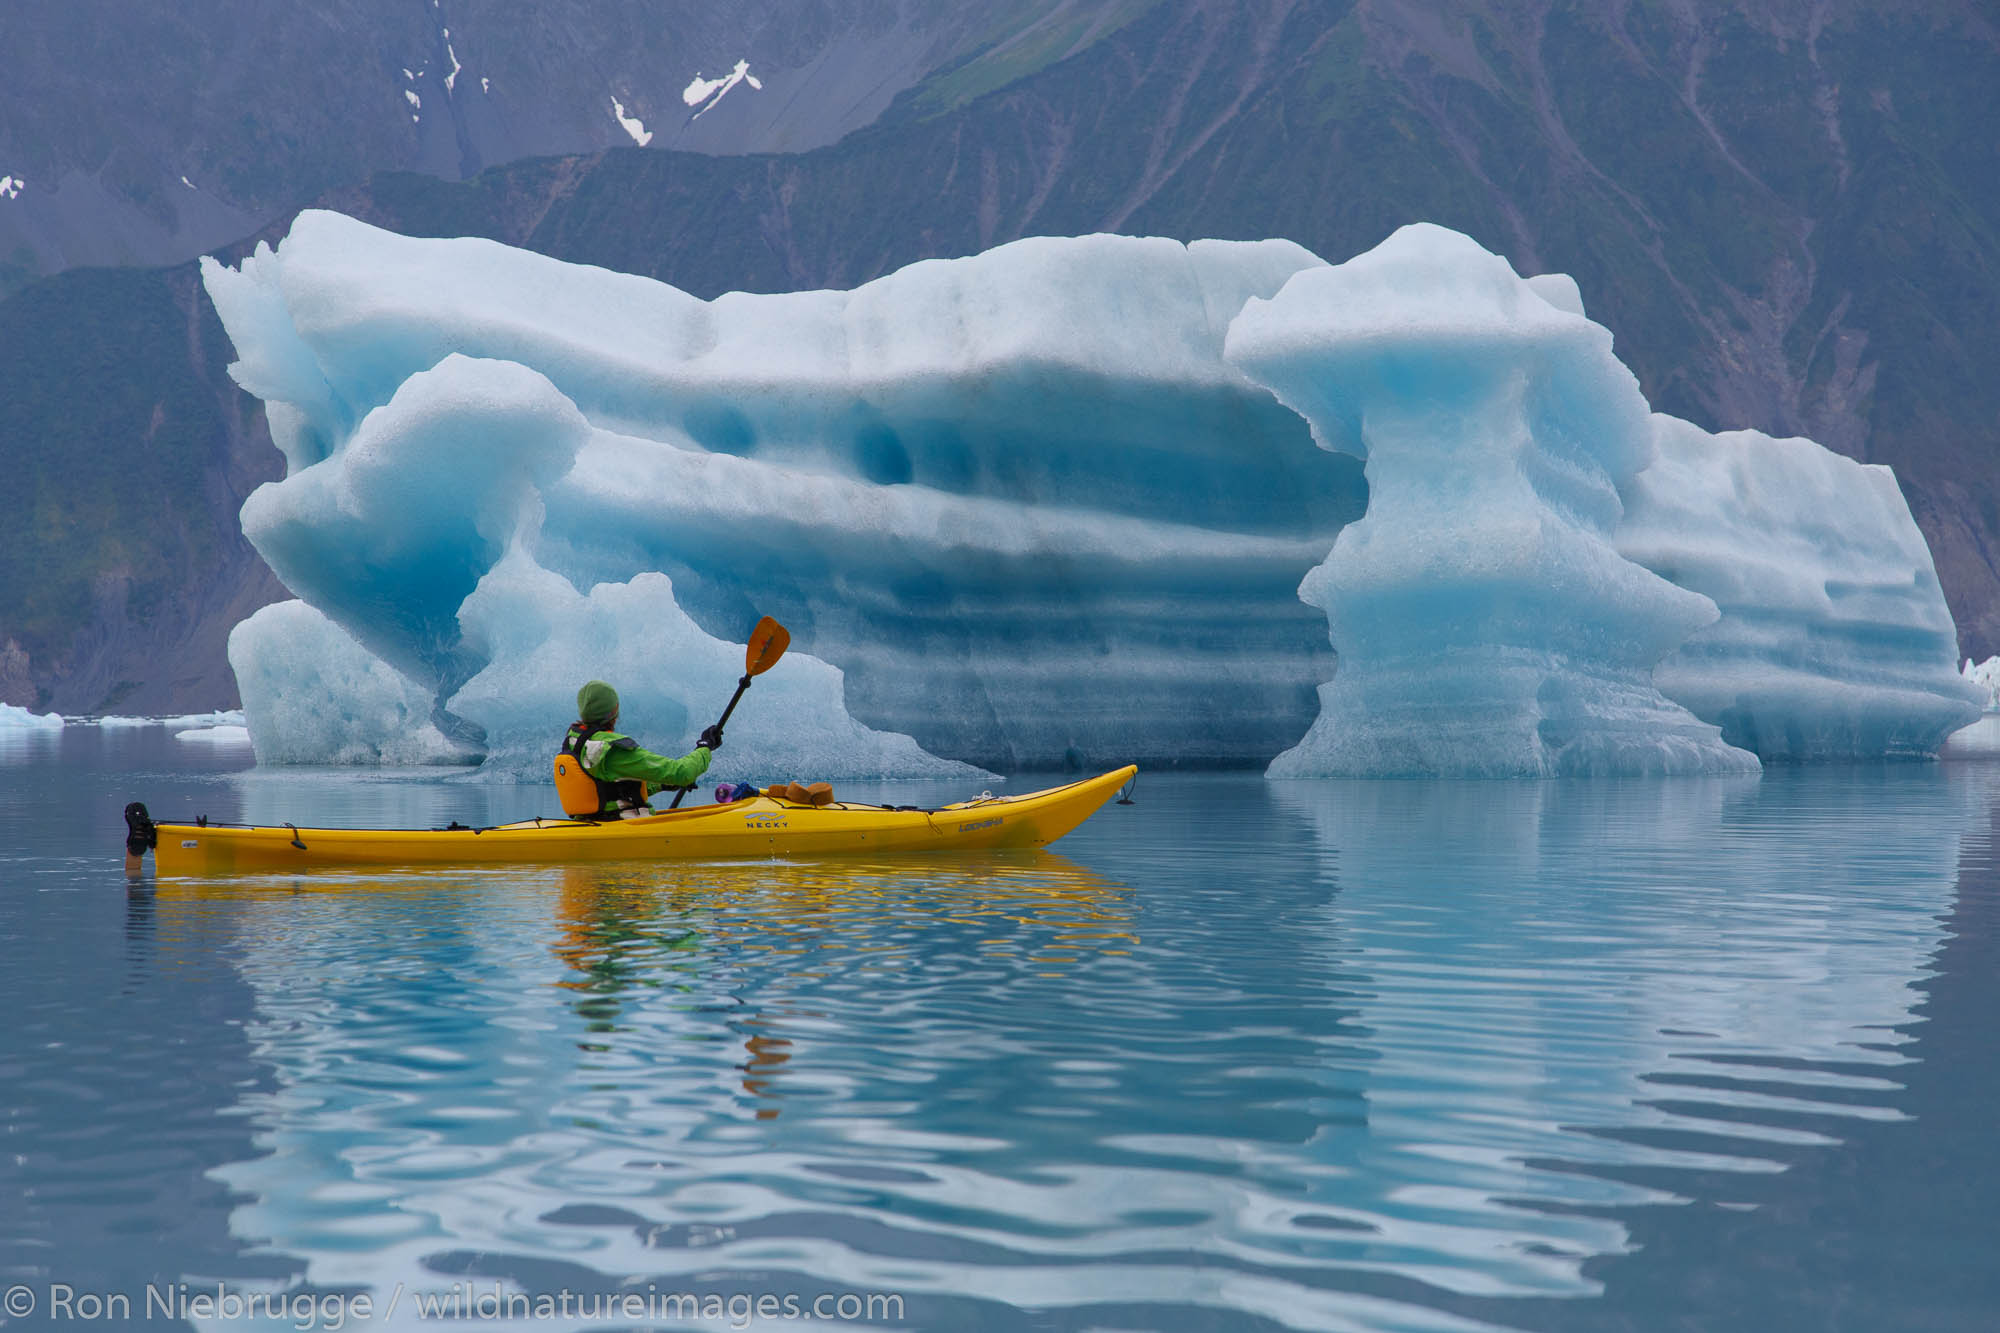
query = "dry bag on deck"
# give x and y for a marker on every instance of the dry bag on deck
(799, 793)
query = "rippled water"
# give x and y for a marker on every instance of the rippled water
(1699, 1055)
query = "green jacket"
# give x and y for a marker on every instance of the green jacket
(611, 757)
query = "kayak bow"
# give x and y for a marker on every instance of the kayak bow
(763, 826)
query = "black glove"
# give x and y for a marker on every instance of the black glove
(711, 739)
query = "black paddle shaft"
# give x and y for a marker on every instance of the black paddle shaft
(742, 684)
(767, 644)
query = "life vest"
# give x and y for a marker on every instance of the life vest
(583, 794)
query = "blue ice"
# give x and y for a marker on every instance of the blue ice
(1067, 502)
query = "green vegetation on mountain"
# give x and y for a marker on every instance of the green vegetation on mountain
(1016, 43)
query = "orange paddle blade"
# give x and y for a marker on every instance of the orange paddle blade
(767, 644)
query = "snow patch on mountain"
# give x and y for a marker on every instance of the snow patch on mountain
(633, 126)
(705, 93)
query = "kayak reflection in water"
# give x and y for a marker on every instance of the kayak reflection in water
(630, 938)
(608, 775)
(669, 963)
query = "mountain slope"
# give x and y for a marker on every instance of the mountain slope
(1789, 216)
(147, 134)
(128, 454)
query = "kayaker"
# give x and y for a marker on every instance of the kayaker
(626, 775)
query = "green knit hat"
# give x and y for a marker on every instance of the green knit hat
(596, 702)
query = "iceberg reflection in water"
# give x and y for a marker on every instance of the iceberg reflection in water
(1316, 1055)
(1569, 976)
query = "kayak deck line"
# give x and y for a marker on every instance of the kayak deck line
(760, 826)
(544, 821)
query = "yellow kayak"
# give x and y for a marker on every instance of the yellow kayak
(762, 826)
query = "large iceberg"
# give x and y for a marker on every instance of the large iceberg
(1486, 625)
(313, 695)
(1551, 578)
(1019, 501)
(1021, 510)
(1834, 639)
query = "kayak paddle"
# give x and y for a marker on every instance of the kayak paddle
(767, 644)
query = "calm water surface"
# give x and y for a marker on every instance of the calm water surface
(1690, 1055)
